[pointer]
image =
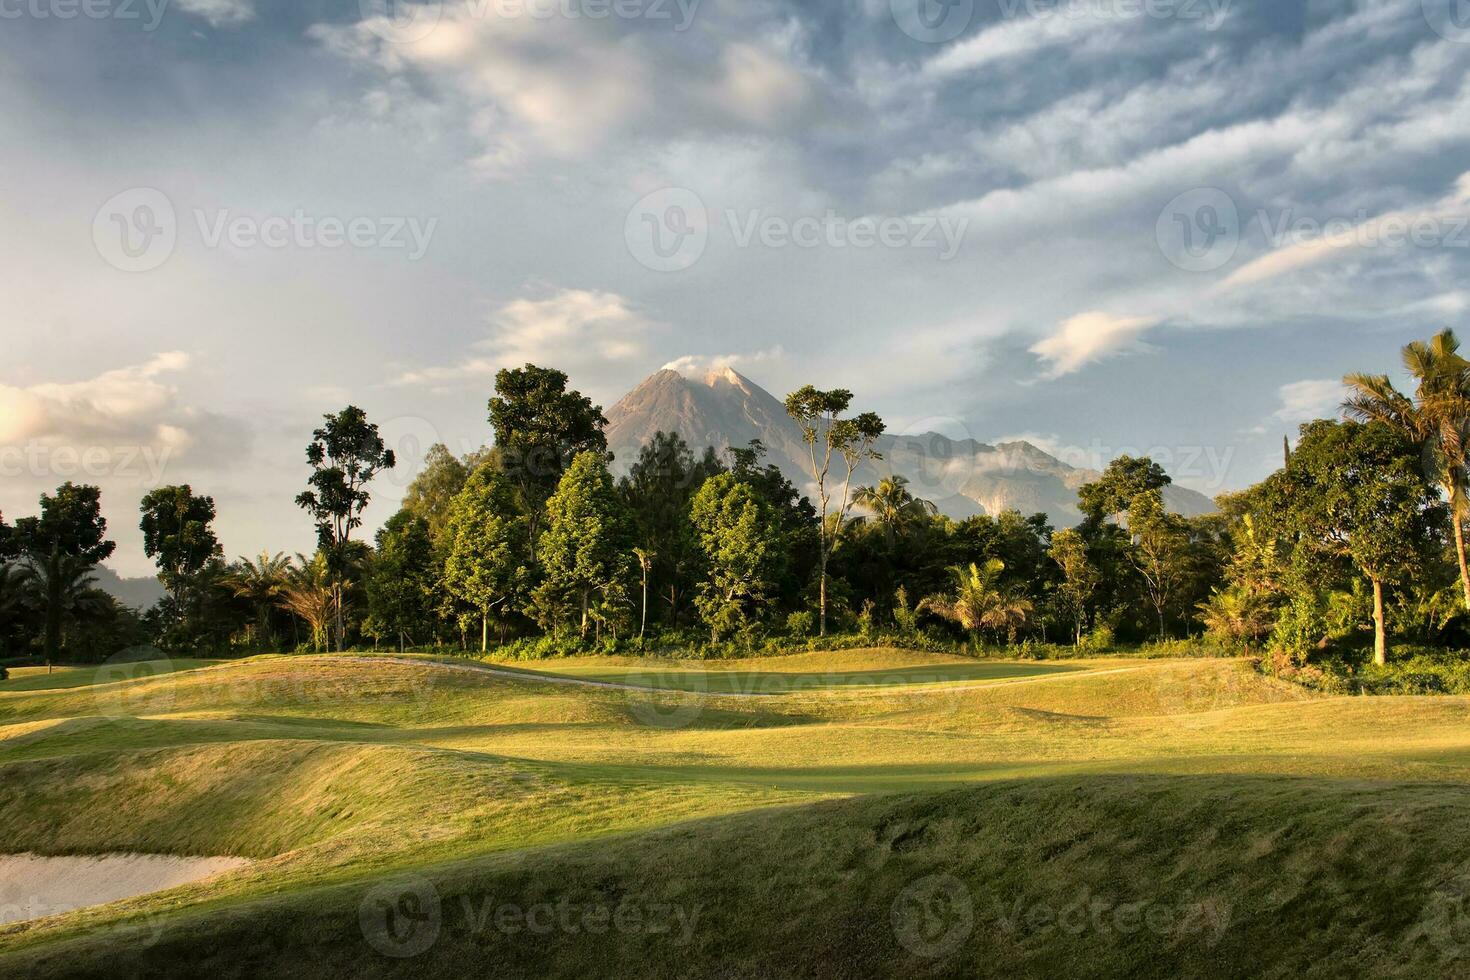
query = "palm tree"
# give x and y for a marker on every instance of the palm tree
(1437, 418)
(979, 602)
(645, 558)
(63, 589)
(260, 582)
(893, 506)
(309, 591)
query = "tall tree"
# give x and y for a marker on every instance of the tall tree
(434, 488)
(1160, 551)
(1437, 418)
(1080, 578)
(658, 488)
(1356, 492)
(310, 592)
(1124, 479)
(403, 578)
(820, 415)
(540, 427)
(741, 539)
(178, 536)
(61, 547)
(585, 550)
(345, 454)
(488, 559)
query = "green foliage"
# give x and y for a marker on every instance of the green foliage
(741, 541)
(1124, 479)
(585, 552)
(487, 564)
(59, 548)
(403, 582)
(434, 488)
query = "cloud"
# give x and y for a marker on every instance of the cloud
(1395, 230)
(522, 80)
(220, 13)
(573, 329)
(1089, 337)
(130, 404)
(1314, 398)
(700, 365)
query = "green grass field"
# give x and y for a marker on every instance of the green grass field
(837, 814)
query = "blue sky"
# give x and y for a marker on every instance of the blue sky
(1104, 225)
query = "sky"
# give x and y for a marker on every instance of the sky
(1161, 226)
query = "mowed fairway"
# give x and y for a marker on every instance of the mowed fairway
(843, 814)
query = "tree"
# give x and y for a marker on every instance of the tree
(1123, 480)
(1437, 419)
(893, 506)
(487, 563)
(404, 577)
(61, 547)
(585, 548)
(345, 454)
(657, 489)
(177, 535)
(819, 416)
(979, 602)
(260, 582)
(310, 591)
(645, 565)
(1159, 550)
(1080, 577)
(540, 427)
(741, 540)
(433, 490)
(1356, 492)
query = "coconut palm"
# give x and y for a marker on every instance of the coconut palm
(308, 591)
(893, 506)
(979, 602)
(260, 583)
(1437, 418)
(63, 588)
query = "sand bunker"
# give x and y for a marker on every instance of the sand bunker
(32, 886)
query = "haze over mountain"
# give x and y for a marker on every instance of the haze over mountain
(962, 477)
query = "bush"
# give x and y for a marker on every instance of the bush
(803, 623)
(1099, 639)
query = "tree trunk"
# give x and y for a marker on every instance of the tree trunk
(1460, 554)
(337, 600)
(822, 600)
(484, 631)
(643, 625)
(53, 614)
(1380, 635)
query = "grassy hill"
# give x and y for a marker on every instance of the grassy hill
(870, 812)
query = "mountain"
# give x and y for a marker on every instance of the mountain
(135, 593)
(962, 477)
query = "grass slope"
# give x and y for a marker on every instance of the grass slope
(1298, 829)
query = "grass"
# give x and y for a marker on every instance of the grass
(803, 805)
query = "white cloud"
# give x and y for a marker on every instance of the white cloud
(1089, 337)
(1313, 398)
(700, 365)
(127, 405)
(523, 81)
(1392, 232)
(220, 13)
(577, 330)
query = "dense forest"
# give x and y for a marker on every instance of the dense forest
(1350, 554)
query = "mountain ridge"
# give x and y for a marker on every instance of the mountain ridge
(963, 477)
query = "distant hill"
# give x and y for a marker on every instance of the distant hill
(136, 593)
(962, 477)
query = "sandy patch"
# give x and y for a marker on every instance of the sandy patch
(32, 886)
